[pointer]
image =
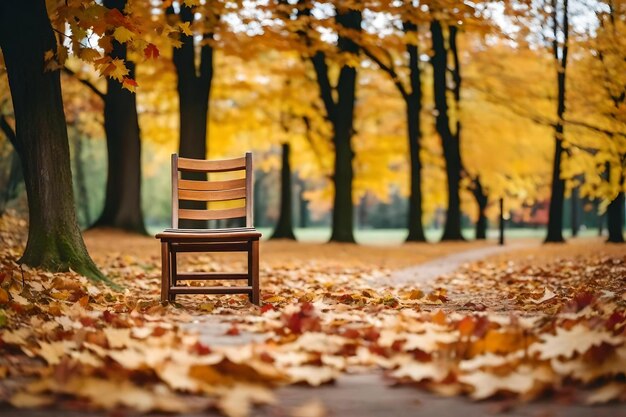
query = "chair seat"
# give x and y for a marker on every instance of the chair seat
(243, 233)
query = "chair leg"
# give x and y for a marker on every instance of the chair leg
(165, 272)
(253, 272)
(173, 272)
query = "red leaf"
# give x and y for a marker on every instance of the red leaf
(201, 349)
(267, 307)
(151, 51)
(233, 331)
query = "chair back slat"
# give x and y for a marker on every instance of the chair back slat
(212, 191)
(211, 185)
(212, 214)
(249, 191)
(225, 195)
(201, 165)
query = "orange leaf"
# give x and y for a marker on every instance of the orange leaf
(129, 84)
(439, 317)
(466, 326)
(4, 296)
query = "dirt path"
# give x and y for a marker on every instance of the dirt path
(214, 329)
(425, 273)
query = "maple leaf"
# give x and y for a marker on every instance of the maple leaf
(52, 352)
(122, 35)
(151, 51)
(565, 343)
(419, 371)
(129, 84)
(312, 375)
(185, 28)
(88, 54)
(521, 381)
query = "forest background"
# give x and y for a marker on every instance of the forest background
(421, 114)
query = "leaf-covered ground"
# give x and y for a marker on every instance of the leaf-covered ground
(541, 323)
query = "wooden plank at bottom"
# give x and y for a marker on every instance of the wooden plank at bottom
(211, 290)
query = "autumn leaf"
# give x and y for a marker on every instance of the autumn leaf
(122, 35)
(565, 343)
(4, 296)
(185, 28)
(129, 84)
(151, 51)
(521, 381)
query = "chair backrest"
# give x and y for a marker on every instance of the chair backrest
(212, 191)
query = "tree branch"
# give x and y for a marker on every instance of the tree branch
(85, 82)
(206, 60)
(389, 69)
(8, 131)
(326, 89)
(597, 129)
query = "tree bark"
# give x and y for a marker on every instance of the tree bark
(615, 217)
(575, 222)
(340, 112)
(413, 102)
(284, 227)
(54, 239)
(194, 89)
(450, 142)
(122, 204)
(481, 201)
(555, 213)
(303, 204)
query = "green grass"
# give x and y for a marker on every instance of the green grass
(397, 236)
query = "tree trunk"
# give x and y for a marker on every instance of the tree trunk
(284, 227)
(481, 200)
(342, 227)
(340, 112)
(122, 203)
(575, 221)
(555, 214)
(54, 239)
(450, 142)
(194, 89)
(615, 219)
(600, 217)
(303, 204)
(413, 117)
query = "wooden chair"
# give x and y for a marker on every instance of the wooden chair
(243, 239)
